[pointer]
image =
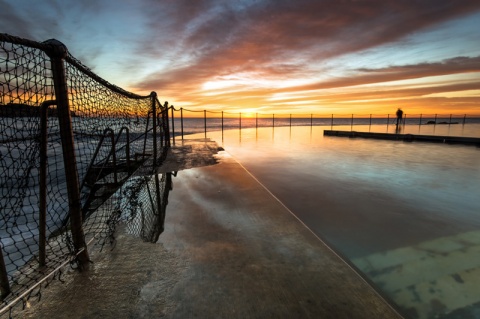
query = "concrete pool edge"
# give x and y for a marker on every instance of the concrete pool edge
(229, 249)
(337, 253)
(473, 141)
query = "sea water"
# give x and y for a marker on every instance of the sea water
(406, 215)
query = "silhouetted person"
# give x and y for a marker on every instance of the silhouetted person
(399, 116)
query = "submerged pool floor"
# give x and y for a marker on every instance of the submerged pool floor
(406, 215)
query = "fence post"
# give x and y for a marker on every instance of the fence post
(181, 120)
(42, 223)
(166, 123)
(4, 284)
(153, 104)
(205, 122)
(57, 55)
(173, 123)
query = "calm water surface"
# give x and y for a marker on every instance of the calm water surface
(407, 215)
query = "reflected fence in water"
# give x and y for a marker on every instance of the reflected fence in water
(76, 152)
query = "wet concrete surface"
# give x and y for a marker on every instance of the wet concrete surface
(229, 249)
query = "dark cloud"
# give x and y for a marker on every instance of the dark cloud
(455, 65)
(222, 39)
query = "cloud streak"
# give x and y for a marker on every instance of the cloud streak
(219, 54)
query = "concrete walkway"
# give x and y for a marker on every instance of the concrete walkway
(230, 250)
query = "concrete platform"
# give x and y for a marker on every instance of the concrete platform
(230, 250)
(474, 141)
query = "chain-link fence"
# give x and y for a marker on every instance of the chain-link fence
(76, 154)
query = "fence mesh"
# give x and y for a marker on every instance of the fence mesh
(119, 139)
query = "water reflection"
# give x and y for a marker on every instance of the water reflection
(407, 215)
(144, 213)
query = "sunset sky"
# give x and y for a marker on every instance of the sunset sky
(272, 56)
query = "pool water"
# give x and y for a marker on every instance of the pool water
(406, 215)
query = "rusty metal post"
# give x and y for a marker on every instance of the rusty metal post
(42, 223)
(205, 121)
(153, 96)
(181, 120)
(4, 284)
(173, 123)
(57, 55)
(166, 122)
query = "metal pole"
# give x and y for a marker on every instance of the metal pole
(153, 105)
(42, 223)
(370, 120)
(166, 122)
(464, 118)
(205, 121)
(181, 120)
(240, 120)
(290, 121)
(351, 125)
(311, 120)
(256, 120)
(450, 121)
(388, 120)
(273, 120)
(4, 284)
(420, 121)
(331, 125)
(173, 123)
(435, 121)
(57, 55)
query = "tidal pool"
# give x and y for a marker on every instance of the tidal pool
(406, 215)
